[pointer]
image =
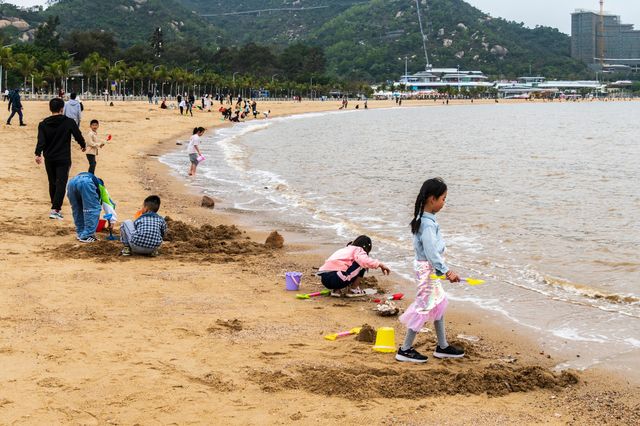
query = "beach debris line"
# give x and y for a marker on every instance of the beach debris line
(316, 294)
(274, 241)
(336, 336)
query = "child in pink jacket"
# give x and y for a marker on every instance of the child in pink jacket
(345, 268)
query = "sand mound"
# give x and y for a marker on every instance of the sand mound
(367, 383)
(367, 334)
(187, 242)
(274, 240)
(372, 282)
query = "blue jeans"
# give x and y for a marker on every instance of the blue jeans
(85, 204)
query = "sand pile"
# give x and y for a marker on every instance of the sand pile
(205, 243)
(367, 383)
(367, 334)
(372, 282)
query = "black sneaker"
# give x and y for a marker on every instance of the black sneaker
(448, 352)
(410, 355)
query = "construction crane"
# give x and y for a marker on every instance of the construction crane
(601, 40)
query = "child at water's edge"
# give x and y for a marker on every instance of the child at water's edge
(194, 149)
(345, 268)
(431, 300)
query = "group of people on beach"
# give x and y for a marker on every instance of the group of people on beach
(344, 270)
(342, 273)
(86, 192)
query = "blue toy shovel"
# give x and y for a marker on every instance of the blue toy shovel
(111, 237)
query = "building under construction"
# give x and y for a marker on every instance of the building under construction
(602, 41)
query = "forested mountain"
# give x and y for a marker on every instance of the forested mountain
(133, 21)
(363, 40)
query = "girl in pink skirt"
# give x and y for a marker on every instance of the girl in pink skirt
(431, 300)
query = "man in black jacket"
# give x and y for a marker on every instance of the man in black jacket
(15, 106)
(54, 140)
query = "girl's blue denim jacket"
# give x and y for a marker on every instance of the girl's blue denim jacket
(428, 243)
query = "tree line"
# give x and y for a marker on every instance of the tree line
(91, 61)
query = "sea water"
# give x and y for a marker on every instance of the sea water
(543, 203)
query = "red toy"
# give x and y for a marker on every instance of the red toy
(397, 296)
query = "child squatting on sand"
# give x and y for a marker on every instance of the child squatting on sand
(431, 300)
(345, 268)
(144, 236)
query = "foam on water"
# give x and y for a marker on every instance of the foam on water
(332, 182)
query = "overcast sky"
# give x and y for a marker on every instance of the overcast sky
(554, 13)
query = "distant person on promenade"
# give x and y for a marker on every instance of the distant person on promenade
(73, 108)
(15, 106)
(431, 300)
(54, 141)
(182, 104)
(193, 150)
(6, 95)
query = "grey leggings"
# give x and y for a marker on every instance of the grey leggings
(442, 337)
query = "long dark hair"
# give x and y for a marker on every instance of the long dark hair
(362, 241)
(430, 188)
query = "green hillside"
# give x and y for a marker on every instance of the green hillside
(362, 40)
(365, 39)
(133, 21)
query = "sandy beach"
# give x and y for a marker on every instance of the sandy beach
(206, 334)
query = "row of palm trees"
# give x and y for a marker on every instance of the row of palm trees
(142, 78)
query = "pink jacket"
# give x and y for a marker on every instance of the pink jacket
(343, 258)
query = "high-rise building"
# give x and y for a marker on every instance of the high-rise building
(620, 42)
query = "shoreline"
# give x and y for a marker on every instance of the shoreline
(57, 315)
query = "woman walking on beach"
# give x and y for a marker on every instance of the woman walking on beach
(431, 300)
(194, 150)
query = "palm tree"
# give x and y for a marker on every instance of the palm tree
(65, 66)
(6, 61)
(117, 73)
(53, 72)
(94, 64)
(178, 76)
(161, 74)
(38, 79)
(134, 73)
(25, 64)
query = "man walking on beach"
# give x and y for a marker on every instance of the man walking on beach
(54, 140)
(15, 106)
(73, 109)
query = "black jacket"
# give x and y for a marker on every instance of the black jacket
(54, 138)
(14, 101)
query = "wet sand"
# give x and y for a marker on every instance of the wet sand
(205, 333)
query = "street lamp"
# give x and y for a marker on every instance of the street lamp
(195, 73)
(115, 64)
